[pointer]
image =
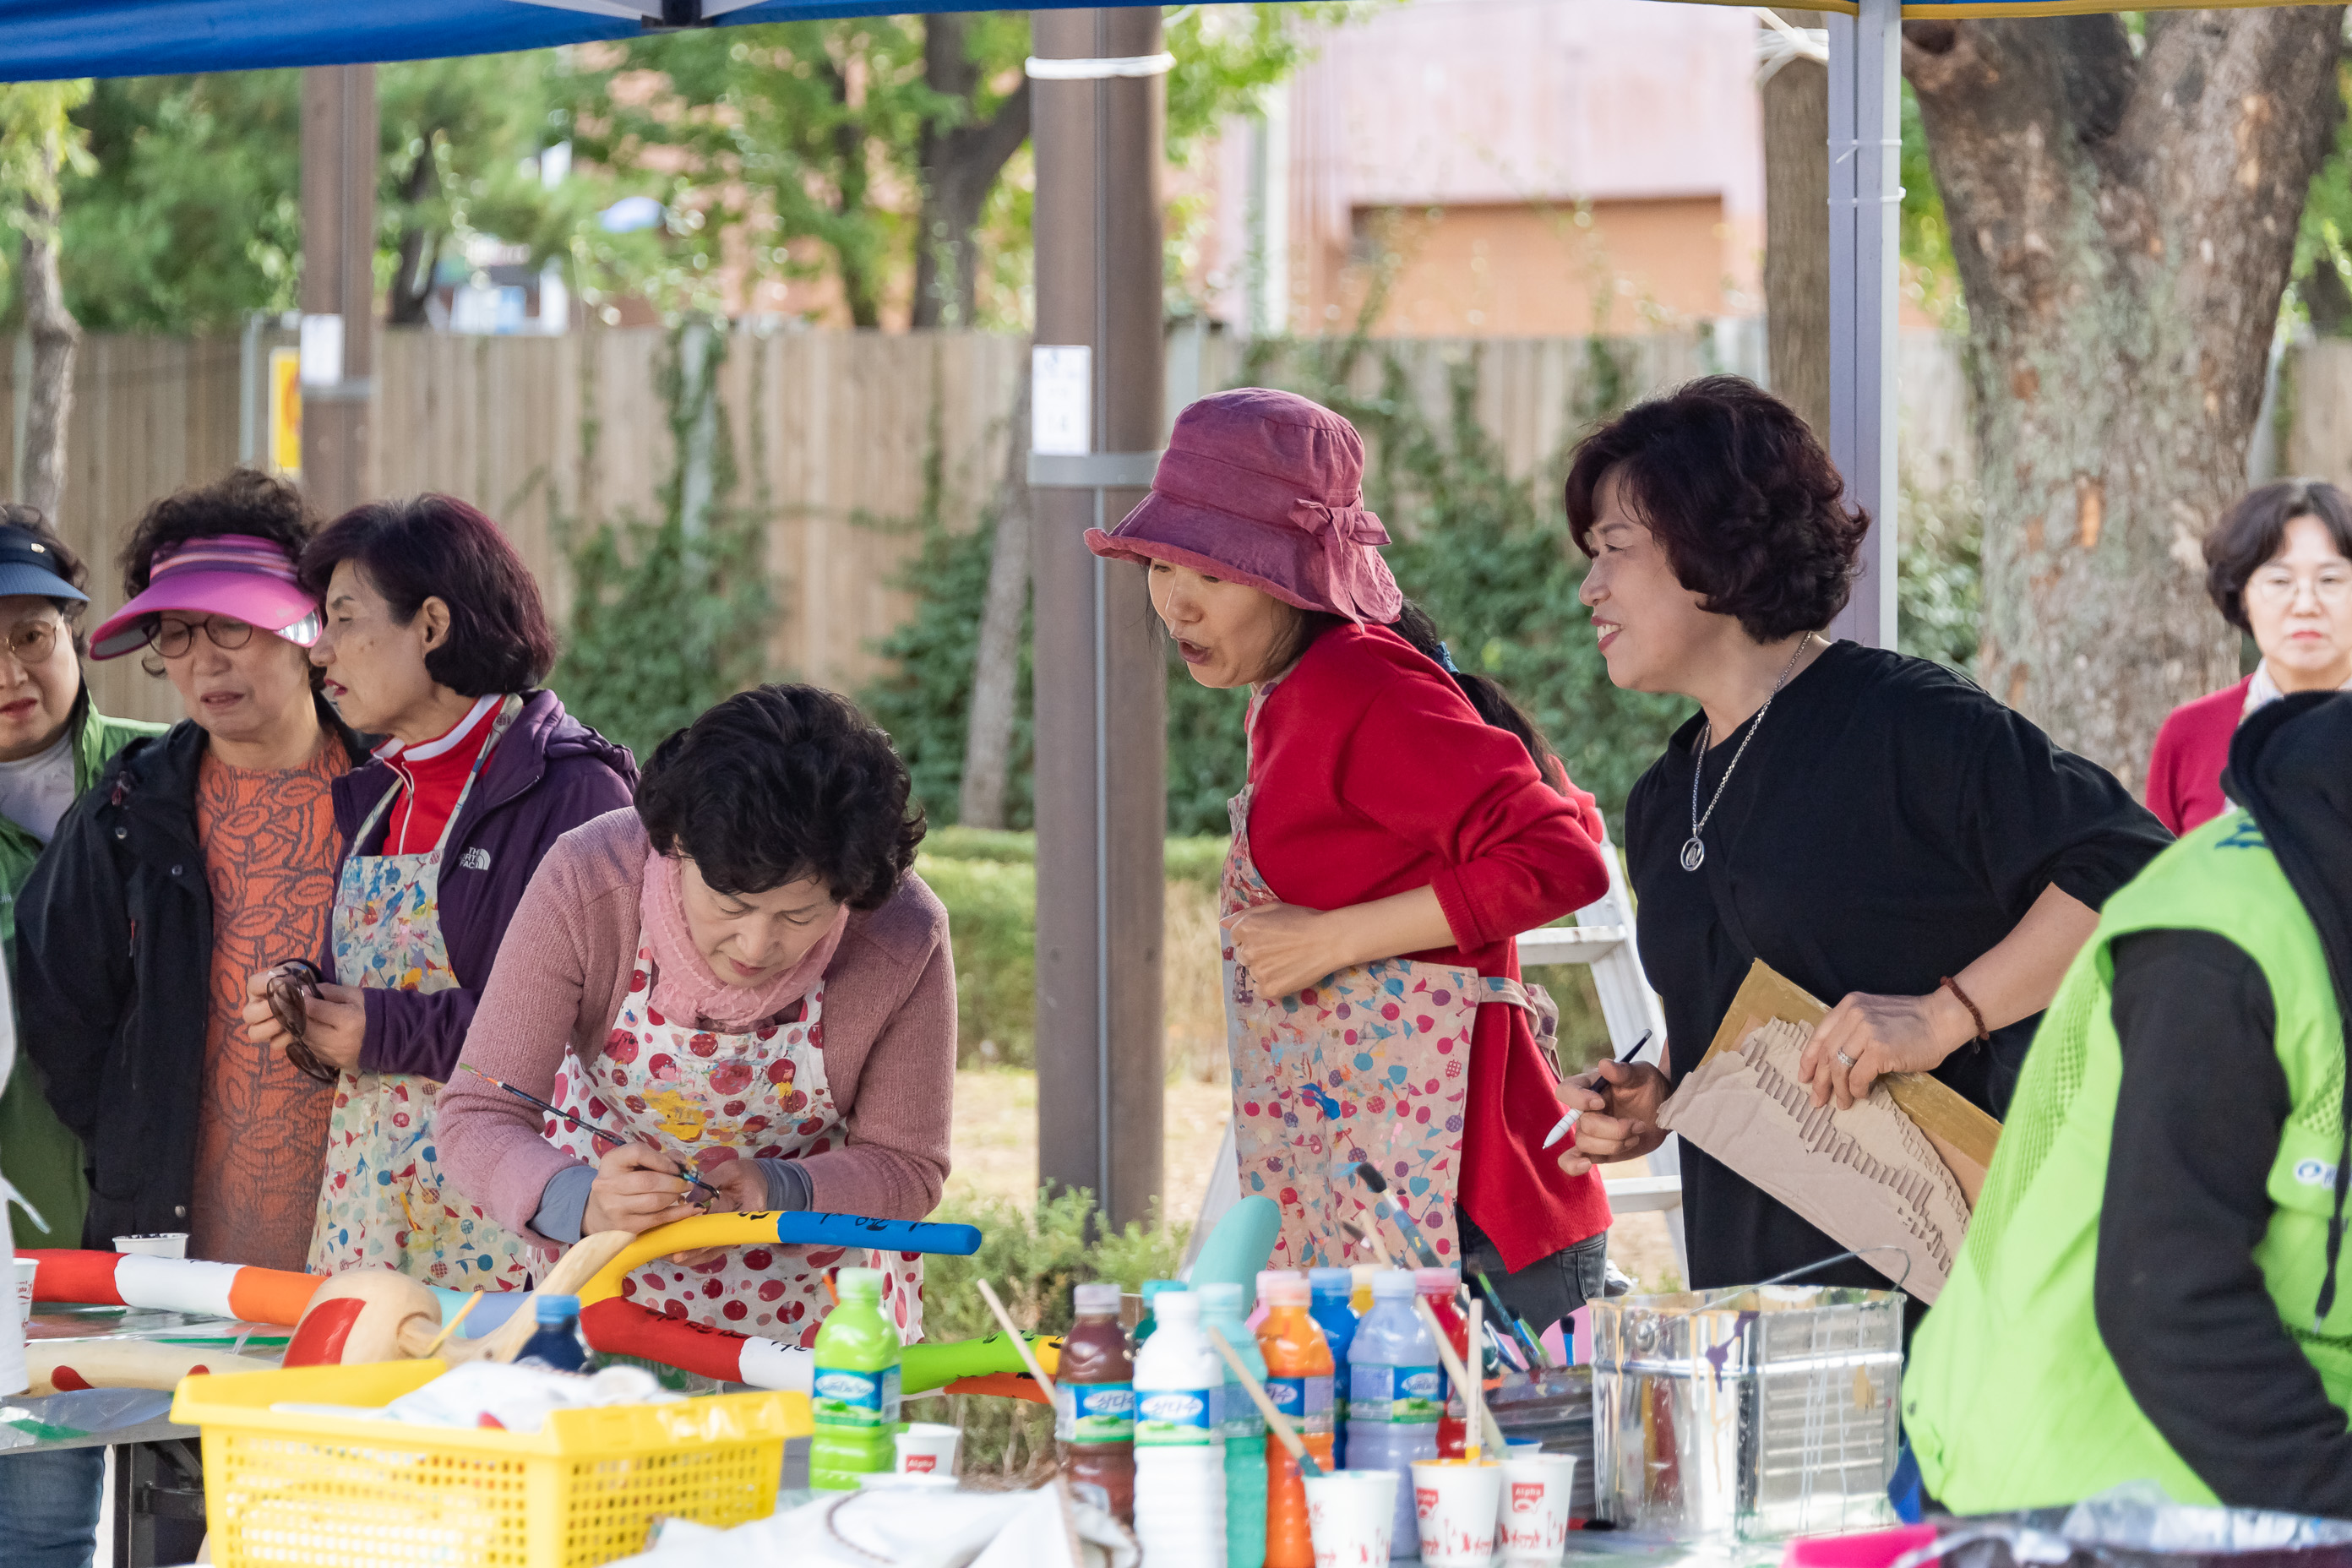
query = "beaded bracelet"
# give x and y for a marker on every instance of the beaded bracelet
(1954, 987)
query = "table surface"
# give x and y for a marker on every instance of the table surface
(94, 1417)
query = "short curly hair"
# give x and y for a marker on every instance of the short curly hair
(1750, 509)
(437, 546)
(244, 500)
(2254, 529)
(781, 782)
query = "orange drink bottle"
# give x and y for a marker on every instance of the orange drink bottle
(1437, 1287)
(1298, 1378)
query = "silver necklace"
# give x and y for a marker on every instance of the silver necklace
(1693, 851)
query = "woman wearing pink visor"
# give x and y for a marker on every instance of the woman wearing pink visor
(199, 856)
(1401, 823)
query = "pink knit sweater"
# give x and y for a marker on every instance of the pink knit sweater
(560, 976)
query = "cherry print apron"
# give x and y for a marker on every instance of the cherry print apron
(1369, 1063)
(708, 1097)
(383, 1200)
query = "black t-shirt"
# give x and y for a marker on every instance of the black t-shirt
(1889, 823)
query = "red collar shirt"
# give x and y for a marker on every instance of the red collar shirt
(433, 775)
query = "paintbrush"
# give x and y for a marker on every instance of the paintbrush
(1275, 1422)
(1388, 1209)
(589, 1127)
(1567, 1124)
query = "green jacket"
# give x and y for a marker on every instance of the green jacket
(2012, 1400)
(38, 1156)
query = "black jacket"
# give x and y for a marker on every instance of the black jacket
(114, 942)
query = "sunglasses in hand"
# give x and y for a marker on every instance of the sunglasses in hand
(287, 985)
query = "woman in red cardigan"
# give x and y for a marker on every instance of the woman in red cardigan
(2279, 566)
(1401, 822)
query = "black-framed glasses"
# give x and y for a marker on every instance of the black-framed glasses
(173, 638)
(34, 641)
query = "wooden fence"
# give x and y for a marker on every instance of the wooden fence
(831, 435)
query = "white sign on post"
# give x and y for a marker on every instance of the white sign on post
(322, 350)
(1061, 399)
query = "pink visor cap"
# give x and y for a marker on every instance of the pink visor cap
(1264, 488)
(239, 575)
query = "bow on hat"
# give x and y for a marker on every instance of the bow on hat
(1336, 528)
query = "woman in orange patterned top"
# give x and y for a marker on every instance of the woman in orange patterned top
(199, 856)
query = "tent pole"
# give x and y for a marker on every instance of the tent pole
(1865, 196)
(1097, 407)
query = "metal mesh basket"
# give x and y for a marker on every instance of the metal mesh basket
(1756, 1415)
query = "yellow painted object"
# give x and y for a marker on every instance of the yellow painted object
(679, 1236)
(284, 1489)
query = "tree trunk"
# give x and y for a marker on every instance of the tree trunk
(1796, 232)
(55, 335)
(996, 666)
(959, 166)
(420, 252)
(2123, 227)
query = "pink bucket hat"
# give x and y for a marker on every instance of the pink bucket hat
(1267, 489)
(240, 575)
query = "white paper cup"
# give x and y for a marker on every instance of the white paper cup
(1456, 1504)
(27, 1269)
(165, 1244)
(1349, 1517)
(1532, 1527)
(927, 1449)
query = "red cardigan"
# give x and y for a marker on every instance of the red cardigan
(2184, 772)
(1371, 775)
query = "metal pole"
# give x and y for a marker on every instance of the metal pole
(339, 159)
(1101, 724)
(1865, 195)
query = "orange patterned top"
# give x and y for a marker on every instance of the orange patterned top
(270, 849)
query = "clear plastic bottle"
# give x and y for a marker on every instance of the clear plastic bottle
(1332, 1287)
(1394, 1395)
(1298, 1380)
(1437, 1287)
(1180, 1469)
(557, 1343)
(1222, 1309)
(854, 1385)
(1094, 1417)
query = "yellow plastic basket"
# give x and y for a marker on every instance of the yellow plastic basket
(282, 1488)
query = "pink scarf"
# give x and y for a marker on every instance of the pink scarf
(684, 986)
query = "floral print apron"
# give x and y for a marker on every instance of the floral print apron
(1369, 1063)
(708, 1097)
(383, 1200)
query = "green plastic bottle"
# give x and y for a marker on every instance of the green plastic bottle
(855, 1389)
(1222, 1304)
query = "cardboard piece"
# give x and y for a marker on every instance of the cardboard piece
(1963, 1135)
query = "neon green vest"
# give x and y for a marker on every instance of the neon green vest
(2011, 1400)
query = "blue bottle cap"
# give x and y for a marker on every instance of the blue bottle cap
(555, 1309)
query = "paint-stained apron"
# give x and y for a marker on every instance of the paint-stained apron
(1369, 1063)
(384, 1199)
(707, 1097)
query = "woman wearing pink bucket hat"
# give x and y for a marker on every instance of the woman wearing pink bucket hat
(1400, 822)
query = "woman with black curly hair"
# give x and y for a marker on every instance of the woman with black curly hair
(743, 975)
(1874, 828)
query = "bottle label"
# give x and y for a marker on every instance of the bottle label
(1396, 1393)
(1094, 1413)
(1242, 1418)
(841, 1397)
(1176, 1416)
(1303, 1399)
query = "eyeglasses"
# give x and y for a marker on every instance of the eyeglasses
(173, 638)
(287, 985)
(2329, 585)
(32, 642)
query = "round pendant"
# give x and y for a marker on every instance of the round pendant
(1694, 853)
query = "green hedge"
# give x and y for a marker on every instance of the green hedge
(988, 879)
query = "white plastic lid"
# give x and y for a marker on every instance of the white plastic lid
(1392, 1285)
(1340, 1280)
(1176, 1306)
(1096, 1298)
(1219, 1296)
(1363, 1274)
(1437, 1281)
(1284, 1288)
(865, 1284)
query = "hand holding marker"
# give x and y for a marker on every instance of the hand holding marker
(685, 1171)
(1567, 1124)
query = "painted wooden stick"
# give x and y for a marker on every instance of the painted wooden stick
(1028, 1357)
(1275, 1422)
(1453, 1370)
(450, 1326)
(1475, 1391)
